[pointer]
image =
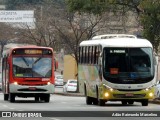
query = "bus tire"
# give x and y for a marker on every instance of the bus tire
(101, 102)
(130, 102)
(85, 91)
(47, 98)
(95, 101)
(124, 102)
(88, 100)
(145, 103)
(36, 98)
(12, 97)
(6, 96)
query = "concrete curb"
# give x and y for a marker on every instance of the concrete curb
(70, 94)
(155, 101)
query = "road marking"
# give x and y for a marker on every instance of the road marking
(5, 106)
(77, 105)
(94, 107)
(64, 102)
(55, 119)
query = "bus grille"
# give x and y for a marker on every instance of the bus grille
(130, 89)
(124, 96)
(27, 90)
(23, 84)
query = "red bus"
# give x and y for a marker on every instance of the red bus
(28, 71)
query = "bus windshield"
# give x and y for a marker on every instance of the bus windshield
(128, 65)
(32, 66)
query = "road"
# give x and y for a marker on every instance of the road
(64, 104)
(74, 106)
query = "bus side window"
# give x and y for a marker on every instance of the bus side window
(84, 57)
(95, 56)
(93, 52)
(79, 54)
(90, 55)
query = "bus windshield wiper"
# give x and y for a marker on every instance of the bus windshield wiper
(25, 61)
(37, 60)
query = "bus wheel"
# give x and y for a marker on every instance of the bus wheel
(12, 97)
(95, 101)
(88, 100)
(36, 98)
(47, 98)
(124, 102)
(6, 96)
(101, 102)
(145, 103)
(42, 98)
(130, 102)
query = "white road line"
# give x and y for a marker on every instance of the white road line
(63, 102)
(94, 107)
(20, 110)
(77, 105)
(55, 119)
(8, 107)
(5, 106)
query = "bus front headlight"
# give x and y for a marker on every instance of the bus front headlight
(151, 94)
(149, 88)
(15, 83)
(111, 89)
(48, 83)
(106, 94)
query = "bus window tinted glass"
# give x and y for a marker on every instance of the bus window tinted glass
(128, 65)
(116, 58)
(140, 60)
(32, 67)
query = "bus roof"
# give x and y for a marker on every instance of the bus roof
(106, 36)
(117, 42)
(8, 48)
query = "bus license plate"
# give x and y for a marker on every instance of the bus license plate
(129, 94)
(32, 88)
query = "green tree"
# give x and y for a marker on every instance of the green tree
(150, 20)
(148, 12)
(89, 6)
(99, 6)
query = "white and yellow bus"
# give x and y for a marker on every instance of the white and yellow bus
(117, 67)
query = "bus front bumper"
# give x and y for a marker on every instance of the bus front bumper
(48, 89)
(119, 95)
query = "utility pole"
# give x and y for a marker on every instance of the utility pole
(2, 43)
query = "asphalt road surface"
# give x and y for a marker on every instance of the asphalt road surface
(73, 107)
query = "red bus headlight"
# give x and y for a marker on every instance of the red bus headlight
(15, 83)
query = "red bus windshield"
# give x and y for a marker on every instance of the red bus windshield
(32, 66)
